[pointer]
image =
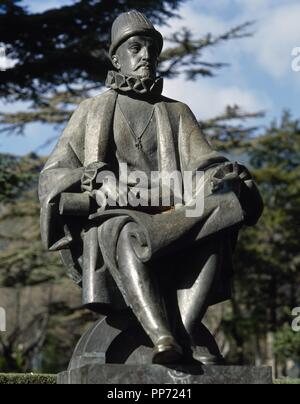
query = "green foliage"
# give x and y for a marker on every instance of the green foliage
(287, 381)
(267, 279)
(65, 329)
(23, 260)
(71, 54)
(287, 343)
(27, 379)
(276, 159)
(57, 70)
(66, 45)
(16, 174)
(185, 54)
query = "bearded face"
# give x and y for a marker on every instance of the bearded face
(137, 57)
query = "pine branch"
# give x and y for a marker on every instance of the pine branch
(185, 55)
(228, 132)
(55, 108)
(64, 45)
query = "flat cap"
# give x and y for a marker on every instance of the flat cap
(131, 24)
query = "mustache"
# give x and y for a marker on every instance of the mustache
(144, 64)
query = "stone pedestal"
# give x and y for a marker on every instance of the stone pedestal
(155, 374)
(117, 351)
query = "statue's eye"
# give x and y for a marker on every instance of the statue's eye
(135, 48)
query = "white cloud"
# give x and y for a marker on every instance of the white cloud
(276, 31)
(278, 34)
(208, 99)
(5, 62)
(198, 23)
(239, 7)
(277, 28)
(38, 6)
(270, 49)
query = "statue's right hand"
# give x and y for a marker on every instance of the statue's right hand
(111, 194)
(89, 177)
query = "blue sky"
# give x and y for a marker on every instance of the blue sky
(259, 77)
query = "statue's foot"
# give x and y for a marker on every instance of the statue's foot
(166, 351)
(202, 354)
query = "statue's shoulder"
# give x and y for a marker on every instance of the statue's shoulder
(97, 100)
(176, 106)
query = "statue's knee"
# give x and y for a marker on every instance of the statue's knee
(132, 242)
(126, 233)
(127, 242)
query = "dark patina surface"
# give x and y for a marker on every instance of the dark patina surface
(153, 270)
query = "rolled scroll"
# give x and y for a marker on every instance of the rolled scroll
(75, 204)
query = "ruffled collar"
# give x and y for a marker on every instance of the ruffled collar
(120, 82)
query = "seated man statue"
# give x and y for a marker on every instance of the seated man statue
(165, 262)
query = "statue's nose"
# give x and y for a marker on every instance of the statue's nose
(146, 53)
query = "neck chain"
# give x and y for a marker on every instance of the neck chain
(137, 138)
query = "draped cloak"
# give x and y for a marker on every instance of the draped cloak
(88, 245)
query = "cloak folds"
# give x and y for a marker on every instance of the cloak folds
(88, 246)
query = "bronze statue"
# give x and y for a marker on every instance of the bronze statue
(159, 262)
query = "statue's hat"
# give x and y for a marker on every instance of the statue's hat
(131, 24)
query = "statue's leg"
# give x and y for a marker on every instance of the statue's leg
(142, 292)
(193, 302)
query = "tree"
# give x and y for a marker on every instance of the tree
(268, 257)
(72, 48)
(43, 307)
(16, 174)
(59, 69)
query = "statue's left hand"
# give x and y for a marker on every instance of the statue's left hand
(230, 177)
(237, 178)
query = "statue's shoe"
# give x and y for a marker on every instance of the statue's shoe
(166, 351)
(207, 358)
(211, 360)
